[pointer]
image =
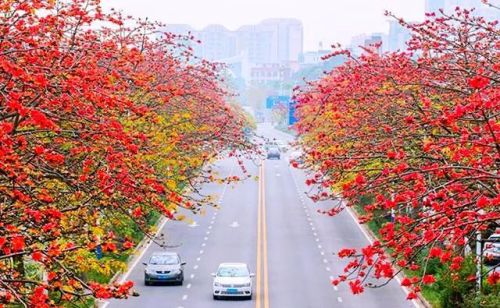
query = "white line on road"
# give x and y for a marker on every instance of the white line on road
(209, 227)
(322, 253)
(205, 238)
(198, 259)
(335, 288)
(208, 232)
(325, 261)
(203, 245)
(192, 276)
(328, 269)
(184, 297)
(195, 267)
(339, 299)
(201, 252)
(188, 286)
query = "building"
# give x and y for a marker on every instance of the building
(398, 36)
(376, 42)
(480, 9)
(271, 43)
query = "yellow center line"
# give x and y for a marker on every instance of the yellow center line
(264, 232)
(259, 237)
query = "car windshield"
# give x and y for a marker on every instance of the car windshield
(164, 260)
(233, 271)
(274, 150)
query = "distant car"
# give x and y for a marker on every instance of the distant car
(232, 280)
(492, 252)
(273, 152)
(282, 145)
(164, 267)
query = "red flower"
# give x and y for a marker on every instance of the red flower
(411, 295)
(479, 82)
(428, 279)
(37, 256)
(17, 243)
(494, 278)
(128, 245)
(435, 252)
(356, 287)
(406, 282)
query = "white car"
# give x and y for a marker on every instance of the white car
(232, 280)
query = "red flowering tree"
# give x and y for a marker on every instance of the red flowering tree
(417, 134)
(100, 117)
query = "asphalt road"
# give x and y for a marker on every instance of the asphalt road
(271, 225)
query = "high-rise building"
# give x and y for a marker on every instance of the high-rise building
(398, 36)
(269, 44)
(480, 9)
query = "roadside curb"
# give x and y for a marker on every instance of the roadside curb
(420, 302)
(134, 257)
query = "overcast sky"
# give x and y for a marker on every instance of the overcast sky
(329, 21)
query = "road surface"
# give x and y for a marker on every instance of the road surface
(270, 224)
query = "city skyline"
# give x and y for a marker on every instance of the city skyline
(323, 21)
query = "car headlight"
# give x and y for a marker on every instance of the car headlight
(176, 272)
(216, 284)
(148, 271)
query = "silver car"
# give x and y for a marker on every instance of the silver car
(164, 267)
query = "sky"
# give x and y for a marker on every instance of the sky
(328, 21)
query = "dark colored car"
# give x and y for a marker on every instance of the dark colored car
(164, 267)
(273, 152)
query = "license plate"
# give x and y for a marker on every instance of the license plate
(232, 291)
(162, 276)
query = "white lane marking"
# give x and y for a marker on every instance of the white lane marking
(339, 299)
(195, 267)
(209, 227)
(184, 297)
(212, 222)
(205, 238)
(192, 276)
(325, 261)
(198, 259)
(208, 232)
(188, 286)
(335, 288)
(328, 269)
(201, 252)
(277, 174)
(317, 240)
(310, 223)
(322, 253)
(312, 228)
(235, 224)
(315, 234)
(319, 246)
(203, 245)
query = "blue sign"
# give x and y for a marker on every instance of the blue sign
(272, 101)
(98, 251)
(291, 113)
